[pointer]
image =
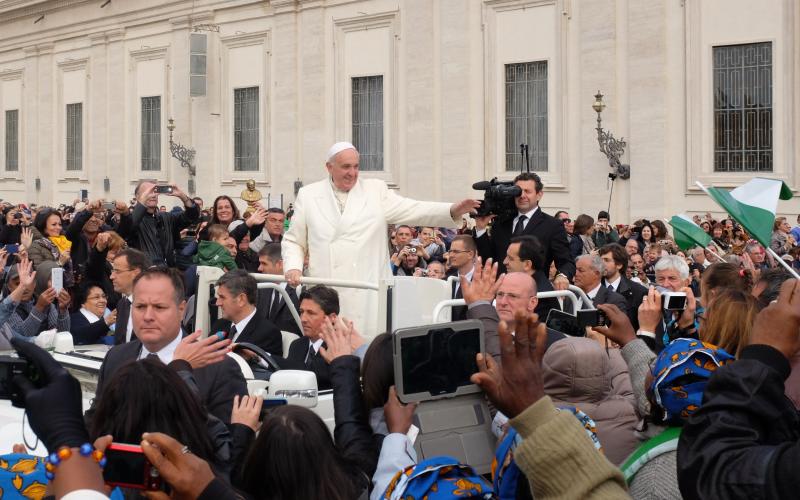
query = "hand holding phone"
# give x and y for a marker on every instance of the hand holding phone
(57, 279)
(127, 467)
(163, 189)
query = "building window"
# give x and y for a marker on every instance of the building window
(12, 140)
(197, 64)
(151, 133)
(526, 114)
(245, 129)
(368, 121)
(74, 132)
(743, 108)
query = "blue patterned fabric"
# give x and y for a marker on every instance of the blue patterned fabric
(22, 476)
(437, 478)
(680, 374)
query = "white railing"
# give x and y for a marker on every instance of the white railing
(570, 294)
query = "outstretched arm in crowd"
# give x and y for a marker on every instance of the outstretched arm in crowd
(555, 455)
(743, 441)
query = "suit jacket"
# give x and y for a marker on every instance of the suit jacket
(604, 296)
(279, 313)
(297, 356)
(353, 245)
(259, 331)
(121, 327)
(545, 305)
(217, 383)
(546, 228)
(633, 293)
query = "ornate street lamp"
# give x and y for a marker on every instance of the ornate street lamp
(182, 154)
(610, 146)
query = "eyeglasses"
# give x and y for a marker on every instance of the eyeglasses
(117, 271)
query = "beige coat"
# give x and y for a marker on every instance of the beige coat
(353, 245)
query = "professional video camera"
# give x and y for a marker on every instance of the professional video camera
(498, 198)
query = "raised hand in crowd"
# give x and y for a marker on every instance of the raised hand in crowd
(45, 299)
(399, 417)
(145, 192)
(619, 329)
(64, 299)
(3, 259)
(517, 384)
(55, 413)
(484, 284)
(111, 318)
(202, 352)
(101, 241)
(337, 339)
(650, 312)
(63, 257)
(26, 237)
(778, 324)
(247, 411)
(686, 319)
(186, 473)
(257, 218)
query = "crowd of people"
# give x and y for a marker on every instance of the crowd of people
(653, 400)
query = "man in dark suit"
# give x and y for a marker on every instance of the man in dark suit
(317, 304)
(615, 260)
(240, 320)
(524, 255)
(529, 220)
(127, 265)
(462, 260)
(278, 311)
(203, 364)
(588, 277)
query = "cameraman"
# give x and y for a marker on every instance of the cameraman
(529, 220)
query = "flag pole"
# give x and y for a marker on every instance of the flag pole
(715, 254)
(783, 263)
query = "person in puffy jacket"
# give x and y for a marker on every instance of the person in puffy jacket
(578, 371)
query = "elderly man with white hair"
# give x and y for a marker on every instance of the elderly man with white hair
(340, 223)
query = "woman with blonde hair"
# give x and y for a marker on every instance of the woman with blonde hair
(728, 320)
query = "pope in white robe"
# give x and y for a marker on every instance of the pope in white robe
(341, 223)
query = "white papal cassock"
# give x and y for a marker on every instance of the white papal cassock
(353, 244)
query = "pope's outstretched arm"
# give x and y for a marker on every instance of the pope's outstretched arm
(295, 242)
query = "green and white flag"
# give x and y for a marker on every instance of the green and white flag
(753, 205)
(687, 233)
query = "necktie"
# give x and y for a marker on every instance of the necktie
(232, 332)
(520, 225)
(153, 357)
(610, 288)
(310, 355)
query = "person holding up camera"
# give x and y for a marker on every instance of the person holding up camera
(603, 232)
(407, 261)
(154, 232)
(529, 220)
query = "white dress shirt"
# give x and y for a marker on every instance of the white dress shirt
(241, 325)
(167, 352)
(129, 326)
(528, 215)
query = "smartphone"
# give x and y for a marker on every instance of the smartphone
(109, 205)
(163, 189)
(269, 404)
(12, 249)
(57, 279)
(591, 318)
(565, 323)
(127, 467)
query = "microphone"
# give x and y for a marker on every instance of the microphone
(482, 185)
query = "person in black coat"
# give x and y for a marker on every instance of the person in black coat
(530, 220)
(271, 262)
(157, 313)
(588, 277)
(241, 321)
(615, 260)
(317, 304)
(88, 324)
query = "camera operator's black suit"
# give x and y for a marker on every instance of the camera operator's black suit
(548, 230)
